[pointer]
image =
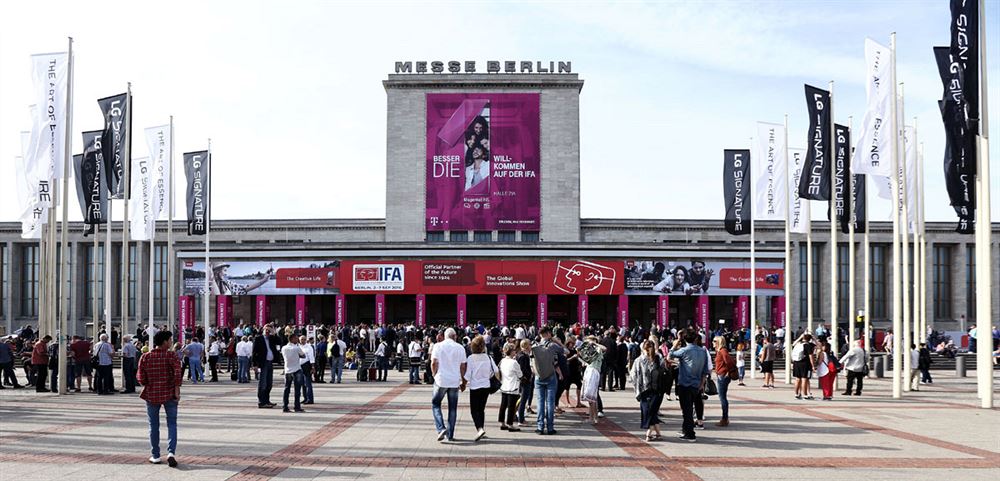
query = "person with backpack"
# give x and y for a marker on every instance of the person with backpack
(802, 365)
(648, 372)
(725, 372)
(337, 353)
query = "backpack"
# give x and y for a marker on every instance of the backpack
(798, 352)
(335, 350)
(659, 377)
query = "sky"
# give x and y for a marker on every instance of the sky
(290, 92)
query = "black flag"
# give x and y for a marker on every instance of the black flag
(115, 110)
(91, 179)
(815, 181)
(860, 196)
(842, 172)
(196, 168)
(81, 195)
(736, 189)
(964, 49)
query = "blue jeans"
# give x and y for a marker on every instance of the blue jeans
(297, 379)
(722, 382)
(153, 413)
(545, 394)
(129, 366)
(307, 384)
(336, 369)
(414, 371)
(196, 373)
(439, 394)
(243, 372)
(527, 390)
(264, 382)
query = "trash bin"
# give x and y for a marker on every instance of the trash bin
(959, 366)
(879, 366)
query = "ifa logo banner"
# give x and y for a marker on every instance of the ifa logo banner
(379, 277)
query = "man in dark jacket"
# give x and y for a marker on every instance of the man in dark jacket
(265, 351)
(924, 364)
(610, 360)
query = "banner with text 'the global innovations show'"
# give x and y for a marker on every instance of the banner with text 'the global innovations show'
(483, 162)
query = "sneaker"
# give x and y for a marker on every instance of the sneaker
(848, 393)
(798, 396)
(300, 410)
(441, 435)
(286, 410)
(552, 432)
(810, 397)
(689, 439)
(504, 427)
(171, 460)
(514, 429)
(153, 460)
(600, 414)
(699, 425)
(479, 435)
(539, 432)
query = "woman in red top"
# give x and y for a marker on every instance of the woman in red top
(160, 375)
(724, 365)
(40, 361)
(825, 370)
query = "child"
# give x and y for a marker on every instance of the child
(740, 353)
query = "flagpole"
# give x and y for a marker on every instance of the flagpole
(107, 275)
(851, 219)
(809, 276)
(788, 261)
(209, 274)
(897, 361)
(125, 227)
(170, 233)
(984, 281)
(43, 273)
(62, 338)
(904, 215)
(93, 276)
(831, 156)
(866, 334)
(753, 292)
(922, 245)
(51, 289)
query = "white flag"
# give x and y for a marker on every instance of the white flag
(140, 206)
(909, 188)
(767, 172)
(32, 215)
(158, 141)
(38, 173)
(798, 209)
(874, 145)
(51, 83)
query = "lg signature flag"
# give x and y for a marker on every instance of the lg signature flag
(196, 169)
(815, 183)
(116, 115)
(736, 189)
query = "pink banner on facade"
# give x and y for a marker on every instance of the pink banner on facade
(501, 310)
(701, 312)
(300, 310)
(742, 312)
(543, 310)
(262, 311)
(582, 309)
(421, 311)
(623, 312)
(339, 309)
(379, 309)
(223, 310)
(185, 315)
(460, 313)
(663, 311)
(779, 312)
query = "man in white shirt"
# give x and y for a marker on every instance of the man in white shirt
(244, 349)
(415, 353)
(307, 366)
(519, 333)
(381, 363)
(448, 366)
(293, 356)
(336, 352)
(914, 369)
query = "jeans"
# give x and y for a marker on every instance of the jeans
(153, 414)
(41, 373)
(9, 377)
(851, 377)
(336, 369)
(925, 375)
(307, 385)
(527, 389)
(243, 372)
(264, 382)
(687, 396)
(213, 366)
(439, 394)
(383, 367)
(545, 392)
(196, 373)
(129, 366)
(649, 408)
(508, 408)
(722, 383)
(414, 370)
(297, 379)
(320, 368)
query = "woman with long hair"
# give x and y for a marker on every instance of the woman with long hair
(825, 370)
(591, 354)
(510, 388)
(724, 366)
(645, 377)
(479, 369)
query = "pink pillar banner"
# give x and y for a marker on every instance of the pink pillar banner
(663, 311)
(461, 320)
(185, 309)
(743, 312)
(339, 309)
(622, 312)
(223, 310)
(582, 309)
(300, 310)
(501, 310)
(421, 314)
(701, 312)
(262, 311)
(379, 309)
(779, 309)
(543, 310)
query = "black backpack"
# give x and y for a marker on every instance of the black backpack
(660, 377)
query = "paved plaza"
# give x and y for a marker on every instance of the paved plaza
(384, 431)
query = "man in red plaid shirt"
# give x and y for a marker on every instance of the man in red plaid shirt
(160, 375)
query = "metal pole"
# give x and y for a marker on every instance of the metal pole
(42, 277)
(866, 334)
(51, 289)
(62, 337)
(984, 274)
(788, 262)
(107, 276)
(208, 229)
(831, 156)
(809, 277)
(897, 308)
(907, 265)
(922, 238)
(170, 235)
(753, 294)
(125, 227)
(852, 218)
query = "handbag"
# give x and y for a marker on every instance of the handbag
(494, 382)
(710, 388)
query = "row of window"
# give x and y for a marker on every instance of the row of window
(506, 236)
